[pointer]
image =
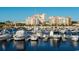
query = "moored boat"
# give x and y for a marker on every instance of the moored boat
(5, 34)
(20, 35)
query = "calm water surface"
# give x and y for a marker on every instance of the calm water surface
(36, 46)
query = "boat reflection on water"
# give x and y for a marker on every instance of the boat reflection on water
(51, 41)
(19, 45)
(74, 43)
(33, 43)
(54, 42)
(3, 44)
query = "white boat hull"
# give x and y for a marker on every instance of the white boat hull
(17, 38)
(5, 37)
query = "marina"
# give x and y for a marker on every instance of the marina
(35, 30)
(38, 39)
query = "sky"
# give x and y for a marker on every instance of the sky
(21, 13)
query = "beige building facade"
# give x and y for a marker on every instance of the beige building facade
(60, 20)
(36, 19)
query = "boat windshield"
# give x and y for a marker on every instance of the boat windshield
(74, 33)
(57, 32)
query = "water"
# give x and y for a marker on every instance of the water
(35, 46)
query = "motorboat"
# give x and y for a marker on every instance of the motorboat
(33, 37)
(55, 38)
(55, 34)
(20, 35)
(5, 34)
(74, 38)
(45, 35)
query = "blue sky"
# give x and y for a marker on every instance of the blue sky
(21, 13)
